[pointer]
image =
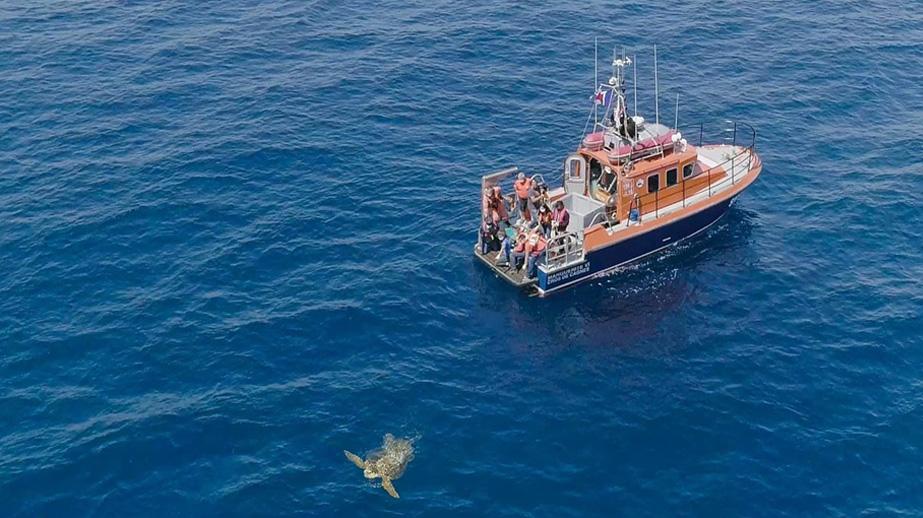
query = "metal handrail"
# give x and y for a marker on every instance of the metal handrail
(748, 151)
(566, 242)
(597, 216)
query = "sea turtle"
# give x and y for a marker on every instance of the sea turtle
(387, 462)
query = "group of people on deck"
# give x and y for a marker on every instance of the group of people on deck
(523, 243)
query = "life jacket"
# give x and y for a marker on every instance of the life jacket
(522, 188)
(493, 205)
(561, 217)
(520, 245)
(539, 246)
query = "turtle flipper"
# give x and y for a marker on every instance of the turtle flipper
(389, 487)
(355, 459)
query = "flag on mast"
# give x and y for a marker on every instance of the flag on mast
(603, 97)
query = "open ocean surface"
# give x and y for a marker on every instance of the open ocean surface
(235, 240)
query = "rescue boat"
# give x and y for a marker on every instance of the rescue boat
(632, 188)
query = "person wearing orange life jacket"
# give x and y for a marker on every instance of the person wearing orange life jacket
(535, 250)
(493, 205)
(486, 209)
(560, 218)
(516, 250)
(523, 187)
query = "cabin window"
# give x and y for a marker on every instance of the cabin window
(653, 183)
(671, 177)
(576, 169)
(687, 170)
(607, 180)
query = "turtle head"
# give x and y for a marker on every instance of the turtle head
(370, 470)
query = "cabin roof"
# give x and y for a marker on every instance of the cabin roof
(645, 165)
(649, 165)
(650, 134)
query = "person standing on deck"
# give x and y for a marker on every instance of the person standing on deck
(560, 218)
(540, 198)
(487, 210)
(523, 187)
(493, 205)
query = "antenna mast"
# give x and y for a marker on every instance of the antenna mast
(676, 113)
(656, 90)
(634, 81)
(595, 81)
(617, 82)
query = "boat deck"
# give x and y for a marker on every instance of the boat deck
(515, 277)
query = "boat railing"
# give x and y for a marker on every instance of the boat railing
(563, 249)
(600, 217)
(744, 159)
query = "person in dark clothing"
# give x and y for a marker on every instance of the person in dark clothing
(489, 241)
(544, 219)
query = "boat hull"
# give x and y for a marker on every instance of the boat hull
(603, 260)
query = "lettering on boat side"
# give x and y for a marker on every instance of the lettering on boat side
(569, 273)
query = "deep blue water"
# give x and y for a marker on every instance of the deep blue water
(235, 239)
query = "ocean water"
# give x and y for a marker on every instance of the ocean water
(235, 240)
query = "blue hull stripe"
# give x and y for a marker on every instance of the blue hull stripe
(604, 259)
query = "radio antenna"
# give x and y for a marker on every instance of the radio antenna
(595, 81)
(634, 81)
(656, 90)
(676, 113)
